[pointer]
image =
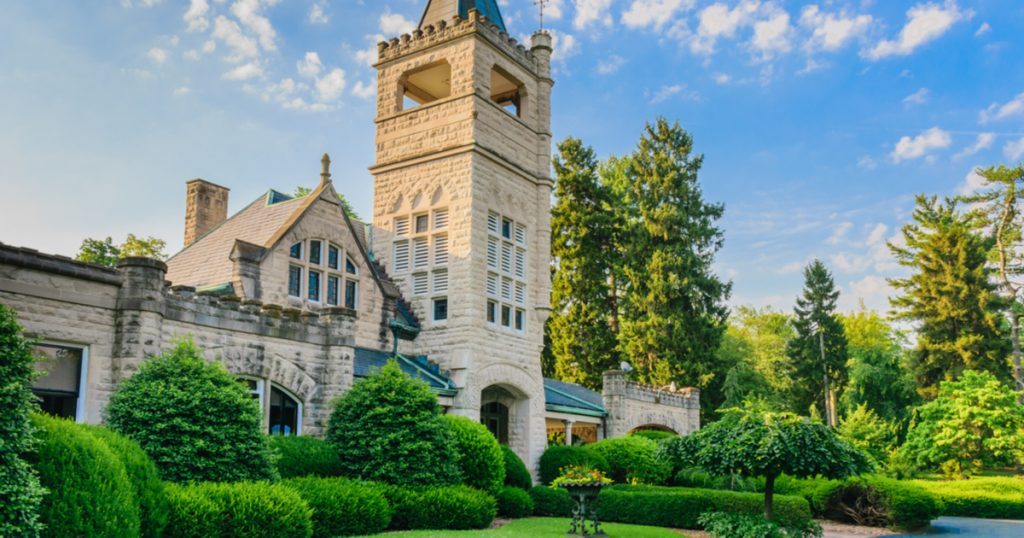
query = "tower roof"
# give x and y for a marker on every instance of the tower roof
(445, 9)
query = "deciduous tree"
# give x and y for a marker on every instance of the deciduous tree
(105, 252)
(877, 375)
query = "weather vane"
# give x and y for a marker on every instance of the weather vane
(540, 6)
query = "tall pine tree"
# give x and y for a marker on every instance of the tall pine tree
(950, 295)
(673, 313)
(582, 340)
(819, 349)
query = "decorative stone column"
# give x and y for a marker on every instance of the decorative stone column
(568, 431)
(141, 304)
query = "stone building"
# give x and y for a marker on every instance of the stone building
(299, 300)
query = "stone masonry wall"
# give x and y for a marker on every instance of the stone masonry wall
(631, 405)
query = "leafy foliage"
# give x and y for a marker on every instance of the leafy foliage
(240, 510)
(20, 492)
(877, 376)
(551, 502)
(513, 502)
(450, 507)
(576, 475)
(679, 452)
(632, 459)
(388, 428)
(158, 408)
(556, 458)
(881, 502)
(754, 442)
(105, 252)
(346, 206)
(145, 480)
(753, 352)
(583, 305)
(653, 435)
(90, 493)
(950, 295)
(729, 525)
(343, 507)
(477, 453)
(303, 456)
(972, 424)
(516, 474)
(868, 432)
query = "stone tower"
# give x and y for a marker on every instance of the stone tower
(462, 183)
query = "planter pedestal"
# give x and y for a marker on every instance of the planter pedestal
(584, 513)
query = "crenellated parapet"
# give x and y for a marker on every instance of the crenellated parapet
(631, 405)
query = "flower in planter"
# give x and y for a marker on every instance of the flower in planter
(580, 475)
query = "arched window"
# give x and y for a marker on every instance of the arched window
(285, 413)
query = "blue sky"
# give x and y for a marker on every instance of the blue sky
(819, 121)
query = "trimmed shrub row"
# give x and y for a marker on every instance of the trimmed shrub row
(342, 507)
(551, 502)
(239, 510)
(682, 507)
(304, 456)
(449, 507)
(990, 497)
(513, 502)
(555, 458)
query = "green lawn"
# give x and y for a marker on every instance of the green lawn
(544, 526)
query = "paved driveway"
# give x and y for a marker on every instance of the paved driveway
(962, 526)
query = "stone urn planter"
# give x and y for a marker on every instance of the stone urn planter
(584, 514)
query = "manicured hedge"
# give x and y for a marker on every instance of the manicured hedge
(477, 454)
(89, 490)
(653, 435)
(343, 507)
(695, 477)
(304, 456)
(513, 502)
(879, 502)
(516, 474)
(632, 459)
(988, 497)
(681, 507)
(447, 508)
(551, 502)
(238, 510)
(144, 477)
(559, 456)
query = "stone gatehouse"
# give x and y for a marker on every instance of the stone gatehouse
(451, 276)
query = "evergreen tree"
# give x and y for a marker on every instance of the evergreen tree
(998, 210)
(582, 221)
(949, 295)
(673, 314)
(819, 349)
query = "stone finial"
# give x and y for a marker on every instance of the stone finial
(325, 172)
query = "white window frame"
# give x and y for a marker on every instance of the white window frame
(298, 409)
(83, 374)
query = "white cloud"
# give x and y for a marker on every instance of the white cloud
(245, 72)
(920, 145)
(831, 32)
(317, 15)
(772, 35)
(790, 268)
(973, 183)
(919, 97)
(610, 65)
(718, 21)
(872, 291)
(1014, 150)
(183, 90)
(143, 3)
(925, 23)
(563, 46)
(847, 263)
(669, 91)
(157, 55)
(553, 10)
(982, 30)
(721, 79)
(867, 162)
(995, 111)
(394, 24)
(653, 13)
(242, 46)
(250, 13)
(877, 234)
(369, 55)
(840, 233)
(195, 16)
(363, 90)
(331, 86)
(984, 141)
(591, 11)
(310, 66)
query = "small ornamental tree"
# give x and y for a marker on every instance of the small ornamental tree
(974, 423)
(755, 442)
(193, 418)
(20, 492)
(388, 428)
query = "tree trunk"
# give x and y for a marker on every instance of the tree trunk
(828, 390)
(769, 493)
(1018, 370)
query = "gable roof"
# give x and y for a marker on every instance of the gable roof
(368, 361)
(572, 398)
(438, 10)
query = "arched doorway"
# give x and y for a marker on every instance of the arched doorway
(494, 416)
(504, 410)
(654, 428)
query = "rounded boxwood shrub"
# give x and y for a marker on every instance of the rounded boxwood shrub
(632, 460)
(551, 502)
(881, 502)
(555, 458)
(513, 502)
(89, 491)
(239, 510)
(516, 474)
(193, 419)
(303, 456)
(343, 507)
(441, 508)
(388, 428)
(20, 492)
(146, 483)
(477, 454)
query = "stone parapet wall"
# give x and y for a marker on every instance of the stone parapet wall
(632, 405)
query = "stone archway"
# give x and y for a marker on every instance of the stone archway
(654, 427)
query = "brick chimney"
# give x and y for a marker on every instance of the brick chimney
(206, 206)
